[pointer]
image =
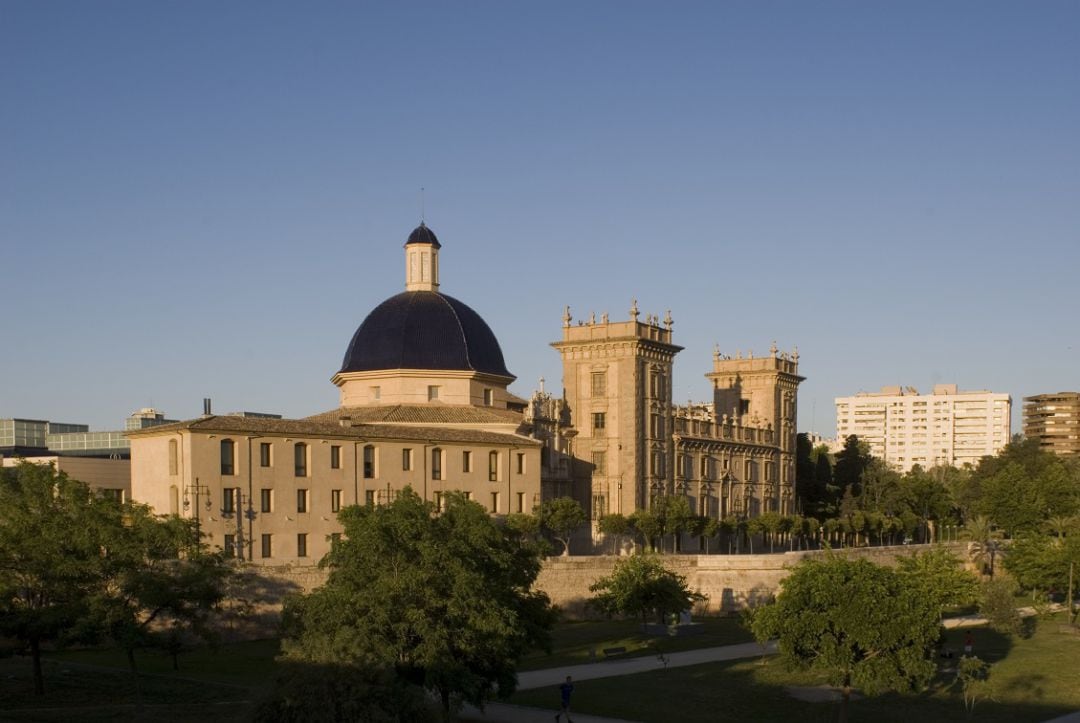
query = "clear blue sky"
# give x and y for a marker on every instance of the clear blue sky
(206, 198)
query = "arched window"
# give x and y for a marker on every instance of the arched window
(369, 462)
(173, 461)
(436, 463)
(300, 459)
(228, 457)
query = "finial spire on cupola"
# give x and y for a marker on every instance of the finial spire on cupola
(422, 260)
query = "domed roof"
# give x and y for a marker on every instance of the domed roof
(424, 330)
(423, 235)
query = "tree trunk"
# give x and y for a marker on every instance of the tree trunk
(138, 683)
(35, 654)
(845, 698)
(444, 696)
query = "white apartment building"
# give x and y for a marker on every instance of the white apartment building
(906, 428)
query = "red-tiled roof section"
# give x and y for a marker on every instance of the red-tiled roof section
(330, 429)
(420, 414)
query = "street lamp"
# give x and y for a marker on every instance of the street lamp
(197, 490)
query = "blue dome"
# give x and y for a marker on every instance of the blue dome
(424, 330)
(423, 235)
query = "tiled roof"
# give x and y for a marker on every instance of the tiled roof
(420, 414)
(327, 429)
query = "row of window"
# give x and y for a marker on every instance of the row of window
(232, 500)
(232, 544)
(301, 450)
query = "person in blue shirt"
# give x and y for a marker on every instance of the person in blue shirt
(564, 692)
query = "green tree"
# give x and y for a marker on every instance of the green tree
(640, 585)
(1040, 563)
(851, 462)
(982, 547)
(672, 515)
(162, 584)
(561, 517)
(939, 576)
(648, 525)
(444, 601)
(617, 526)
(926, 498)
(859, 623)
(972, 676)
(1024, 485)
(998, 605)
(52, 532)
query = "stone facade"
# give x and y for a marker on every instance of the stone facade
(631, 444)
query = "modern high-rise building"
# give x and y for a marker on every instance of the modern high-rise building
(947, 427)
(1054, 420)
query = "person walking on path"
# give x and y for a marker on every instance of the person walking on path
(564, 693)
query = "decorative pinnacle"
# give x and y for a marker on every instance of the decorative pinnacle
(773, 349)
(634, 310)
(668, 321)
(716, 352)
(566, 318)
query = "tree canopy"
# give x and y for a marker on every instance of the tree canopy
(641, 586)
(861, 624)
(444, 601)
(561, 517)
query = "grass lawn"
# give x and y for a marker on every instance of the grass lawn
(574, 643)
(1033, 679)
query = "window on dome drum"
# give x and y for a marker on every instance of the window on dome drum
(493, 466)
(489, 397)
(369, 462)
(599, 384)
(521, 463)
(300, 452)
(432, 392)
(599, 420)
(267, 545)
(436, 464)
(466, 461)
(376, 393)
(301, 544)
(173, 466)
(406, 460)
(228, 455)
(335, 500)
(266, 500)
(264, 454)
(335, 456)
(301, 500)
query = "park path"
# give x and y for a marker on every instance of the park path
(551, 677)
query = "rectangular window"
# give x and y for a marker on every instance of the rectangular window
(376, 393)
(489, 397)
(300, 459)
(493, 466)
(599, 507)
(439, 501)
(369, 462)
(656, 426)
(436, 463)
(599, 384)
(228, 500)
(369, 498)
(521, 463)
(264, 454)
(468, 495)
(301, 544)
(494, 502)
(301, 500)
(266, 499)
(520, 501)
(335, 500)
(599, 420)
(466, 461)
(335, 456)
(432, 392)
(406, 460)
(267, 546)
(598, 461)
(744, 407)
(230, 545)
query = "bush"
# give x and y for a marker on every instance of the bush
(998, 605)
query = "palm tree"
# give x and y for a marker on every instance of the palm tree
(982, 547)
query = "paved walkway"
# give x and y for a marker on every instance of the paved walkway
(551, 677)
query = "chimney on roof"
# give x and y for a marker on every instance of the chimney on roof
(206, 406)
